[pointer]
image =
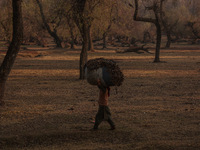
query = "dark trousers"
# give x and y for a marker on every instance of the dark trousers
(103, 114)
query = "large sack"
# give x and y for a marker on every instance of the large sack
(94, 75)
(105, 70)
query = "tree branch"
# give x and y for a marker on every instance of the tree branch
(143, 19)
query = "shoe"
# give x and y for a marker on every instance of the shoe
(112, 128)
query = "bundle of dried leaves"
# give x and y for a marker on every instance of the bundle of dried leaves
(111, 66)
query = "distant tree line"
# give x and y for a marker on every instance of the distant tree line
(85, 21)
(107, 19)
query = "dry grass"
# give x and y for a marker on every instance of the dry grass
(157, 107)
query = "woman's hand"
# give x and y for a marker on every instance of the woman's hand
(100, 86)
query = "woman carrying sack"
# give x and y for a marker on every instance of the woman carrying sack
(104, 111)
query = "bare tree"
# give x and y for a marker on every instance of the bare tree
(156, 7)
(53, 32)
(111, 21)
(82, 23)
(14, 47)
(71, 25)
(169, 21)
(91, 5)
(90, 44)
(5, 20)
(82, 11)
(195, 31)
(168, 28)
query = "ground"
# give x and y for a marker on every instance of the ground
(48, 107)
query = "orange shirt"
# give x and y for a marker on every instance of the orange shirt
(103, 98)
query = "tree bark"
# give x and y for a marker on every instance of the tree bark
(82, 10)
(105, 35)
(71, 29)
(169, 39)
(84, 55)
(109, 27)
(158, 43)
(82, 24)
(104, 41)
(14, 47)
(52, 33)
(159, 34)
(194, 31)
(168, 28)
(2, 91)
(72, 39)
(90, 46)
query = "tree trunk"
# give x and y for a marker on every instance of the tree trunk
(72, 38)
(155, 21)
(90, 42)
(83, 24)
(105, 35)
(146, 37)
(2, 90)
(168, 28)
(56, 38)
(109, 27)
(104, 41)
(83, 55)
(169, 39)
(52, 33)
(194, 31)
(71, 30)
(158, 43)
(14, 47)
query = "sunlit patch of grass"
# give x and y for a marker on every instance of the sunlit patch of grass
(44, 72)
(159, 73)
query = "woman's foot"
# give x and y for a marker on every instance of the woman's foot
(112, 128)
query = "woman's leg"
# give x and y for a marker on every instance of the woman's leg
(99, 117)
(109, 118)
